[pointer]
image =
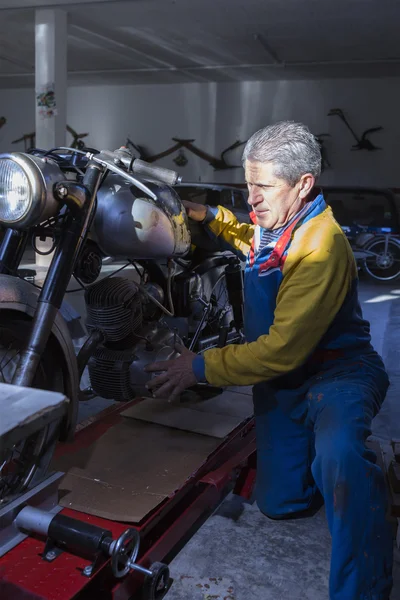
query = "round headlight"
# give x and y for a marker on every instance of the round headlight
(26, 189)
(15, 191)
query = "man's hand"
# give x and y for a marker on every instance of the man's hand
(195, 211)
(178, 375)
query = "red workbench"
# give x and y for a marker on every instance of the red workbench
(24, 575)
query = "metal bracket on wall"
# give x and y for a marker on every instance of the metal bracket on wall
(363, 143)
(218, 163)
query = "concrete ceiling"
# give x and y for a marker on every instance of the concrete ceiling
(172, 41)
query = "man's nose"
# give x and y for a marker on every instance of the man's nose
(254, 195)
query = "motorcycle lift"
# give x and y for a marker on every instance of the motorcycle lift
(50, 552)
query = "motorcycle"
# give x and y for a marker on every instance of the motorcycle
(370, 220)
(376, 251)
(93, 205)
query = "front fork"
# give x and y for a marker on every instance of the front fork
(80, 200)
(11, 251)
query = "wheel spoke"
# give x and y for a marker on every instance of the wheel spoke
(1, 362)
(19, 463)
(12, 358)
(5, 355)
(383, 263)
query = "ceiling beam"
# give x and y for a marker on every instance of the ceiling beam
(24, 4)
(205, 68)
(16, 62)
(106, 41)
(262, 40)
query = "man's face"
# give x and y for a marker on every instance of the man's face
(273, 200)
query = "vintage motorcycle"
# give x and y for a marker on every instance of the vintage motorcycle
(370, 220)
(93, 205)
(376, 250)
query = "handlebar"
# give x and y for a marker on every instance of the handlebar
(123, 157)
(168, 176)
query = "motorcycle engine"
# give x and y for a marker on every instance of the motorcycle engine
(117, 308)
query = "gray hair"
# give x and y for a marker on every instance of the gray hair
(290, 146)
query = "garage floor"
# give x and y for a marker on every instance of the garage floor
(238, 554)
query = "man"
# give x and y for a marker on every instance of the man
(318, 382)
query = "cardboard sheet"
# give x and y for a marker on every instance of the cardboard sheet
(215, 417)
(131, 469)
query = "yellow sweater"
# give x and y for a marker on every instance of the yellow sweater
(317, 277)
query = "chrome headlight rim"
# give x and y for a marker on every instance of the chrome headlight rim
(16, 160)
(33, 168)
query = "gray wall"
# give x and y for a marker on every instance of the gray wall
(216, 115)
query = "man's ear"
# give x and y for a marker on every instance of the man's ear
(306, 184)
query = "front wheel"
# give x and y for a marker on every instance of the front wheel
(26, 463)
(383, 264)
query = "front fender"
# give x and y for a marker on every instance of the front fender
(364, 238)
(18, 295)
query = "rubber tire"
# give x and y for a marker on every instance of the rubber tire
(365, 269)
(49, 377)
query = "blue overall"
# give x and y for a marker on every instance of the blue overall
(311, 428)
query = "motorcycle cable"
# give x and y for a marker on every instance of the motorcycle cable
(83, 286)
(72, 150)
(171, 312)
(86, 287)
(40, 252)
(206, 311)
(62, 162)
(141, 275)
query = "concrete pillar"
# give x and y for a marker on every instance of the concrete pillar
(50, 84)
(51, 76)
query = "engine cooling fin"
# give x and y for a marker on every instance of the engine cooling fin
(109, 374)
(114, 307)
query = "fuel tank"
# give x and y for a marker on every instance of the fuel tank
(130, 225)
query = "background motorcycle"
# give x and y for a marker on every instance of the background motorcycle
(370, 219)
(376, 250)
(93, 207)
